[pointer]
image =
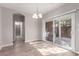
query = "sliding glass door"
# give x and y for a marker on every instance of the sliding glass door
(60, 30)
(63, 32)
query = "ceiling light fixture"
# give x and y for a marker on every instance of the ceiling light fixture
(37, 14)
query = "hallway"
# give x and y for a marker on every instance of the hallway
(35, 48)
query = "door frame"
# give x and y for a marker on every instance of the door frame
(72, 16)
(59, 19)
(52, 28)
(14, 27)
(44, 29)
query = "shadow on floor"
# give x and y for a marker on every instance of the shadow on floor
(23, 49)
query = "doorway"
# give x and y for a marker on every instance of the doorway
(18, 28)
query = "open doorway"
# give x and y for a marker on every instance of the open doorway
(18, 28)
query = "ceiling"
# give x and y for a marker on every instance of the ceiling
(32, 7)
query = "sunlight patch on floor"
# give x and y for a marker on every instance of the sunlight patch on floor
(47, 49)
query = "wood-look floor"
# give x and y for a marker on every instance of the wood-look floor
(35, 48)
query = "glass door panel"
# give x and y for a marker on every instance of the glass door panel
(56, 31)
(63, 33)
(49, 31)
(66, 32)
(66, 28)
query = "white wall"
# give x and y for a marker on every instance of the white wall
(77, 31)
(0, 28)
(7, 29)
(32, 27)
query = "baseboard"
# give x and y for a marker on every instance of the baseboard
(76, 52)
(0, 45)
(11, 44)
(0, 48)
